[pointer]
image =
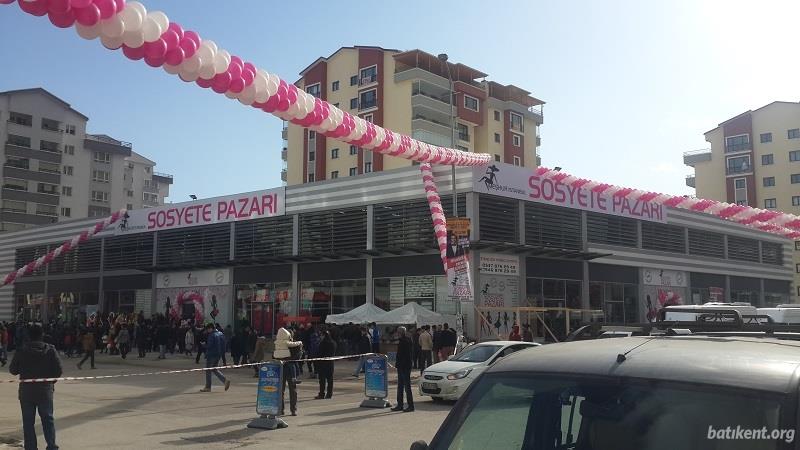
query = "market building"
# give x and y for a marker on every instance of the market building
(301, 252)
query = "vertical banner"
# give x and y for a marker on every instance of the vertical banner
(376, 381)
(270, 392)
(458, 270)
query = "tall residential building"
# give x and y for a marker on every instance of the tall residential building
(53, 170)
(409, 92)
(754, 160)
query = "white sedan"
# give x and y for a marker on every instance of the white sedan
(449, 379)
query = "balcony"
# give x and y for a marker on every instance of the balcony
(52, 125)
(463, 136)
(283, 175)
(690, 181)
(41, 190)
(538, 111)
(430, 101)
(50, 147)
(285, 133)
(363, 106)
(739, 170)
(162, 177)
(740, 147)
(693, 157)
(26, 121)
(431, 137)
(51, 212)
(367, 80)
(284, 154)
(420, 122)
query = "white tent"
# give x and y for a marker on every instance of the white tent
(414, 313)
(366, 313)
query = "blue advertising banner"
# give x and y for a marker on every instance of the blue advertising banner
(376, 380)
(270, 394)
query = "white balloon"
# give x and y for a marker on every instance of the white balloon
(221, 61)
(231, 95)
(133, 38)
(248, 95)
(206, 52)
(294, 111)
(212, 45)
(151, 30)
(138, 7)
(188, 76)
(206, 71)
(310, 103)
(113, 27)
(272, 84)
(161, 19)
(132, 18)
(89, 33)
(172, 70)
(192, 65)
(111, 43)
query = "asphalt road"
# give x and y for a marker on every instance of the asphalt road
(166, 411)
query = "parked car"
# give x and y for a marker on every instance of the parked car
(449, 379)
(731, 388)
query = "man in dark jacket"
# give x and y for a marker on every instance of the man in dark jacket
(215, 348)
(403, 365)
(363, 346)
(35, 359)
(327, 348)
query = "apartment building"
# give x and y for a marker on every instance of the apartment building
(754, 160)
(410, 92)
(54, 170)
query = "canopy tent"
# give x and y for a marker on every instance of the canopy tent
(414, 313)
(366, 313)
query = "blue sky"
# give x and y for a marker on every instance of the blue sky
(629, 85)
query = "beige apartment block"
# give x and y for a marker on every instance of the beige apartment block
(410, 92)
(754, 160)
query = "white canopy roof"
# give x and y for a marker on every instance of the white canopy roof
(365, 313)
(414, 313)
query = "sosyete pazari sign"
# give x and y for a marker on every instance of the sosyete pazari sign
(522, 183)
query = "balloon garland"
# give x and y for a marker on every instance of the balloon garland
(437, 212)
(63, 248)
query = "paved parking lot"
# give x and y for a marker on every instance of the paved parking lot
(169, 411)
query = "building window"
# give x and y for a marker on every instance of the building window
(794, 156)
(335, 86)
(334, 153)
(517, 124)
(353, 150)
(353, 103)
(354, 80)
(103, 157)
(314, 90)
(463, 132)
(334, 174)
(770, 203)
(69, 149)
(19, 141)
(49, 167)
(497, 116)
(794, 133)
(147, 183)
(48, 146)
(336, 104)
(69, 129)
(101, 176)
(46, 210)
(311, 178)
(737, 143)
(312, 155)
(797, 245)
(129, 206)
(100, 196)
(368, 99)
(20, 119)
(68, 170)
(129, 192)
(796, 200)
(15, 184)
(47, 188)
(19, 163)
(497, 137)
(766, 137)
(517, 161)
(795, 178)
(15, 206)
(367, 167)
(147, 169)
(368, 75)
(66, 212)
(767, 160)
(353, 171)
(769, 181)
(516, 140)
(312, 134)
(149, 198)
(470, 103)
(738, 164)
(497, 158)
(740, 191)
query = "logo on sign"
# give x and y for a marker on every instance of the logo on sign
(490, 177)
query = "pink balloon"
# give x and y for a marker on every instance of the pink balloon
(237, 85)
(154, 62)
(174, 56)
(120, 5)
(222, 80)
(234, 69)
(64, 20)
(87, 16)
(188, 46)
(218, 89)
(238, 61)
(58, 7)
(193, 37)
(292, 95)
(177, 29)
(37, 8)
(249, 66)
(107, 8)
(134, 53)
(6, 2)
(156, 49)
(80, 3)
(283, 105)
(171, 38)
(203, 83)
(271, 104)
(248, 76)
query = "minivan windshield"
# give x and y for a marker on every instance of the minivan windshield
(542, 412)
(477, 353)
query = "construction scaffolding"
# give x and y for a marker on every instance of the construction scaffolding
(545, 324)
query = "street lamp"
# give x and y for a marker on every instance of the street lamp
(192, 196)
(443, 58)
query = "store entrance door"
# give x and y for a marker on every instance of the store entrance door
(262, 318)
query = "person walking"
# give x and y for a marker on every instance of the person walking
(426, 347)
(283, 352)
(403, 365)
(142, 331)
(35, 359)
(89, 346)
(3, 345)
(448, 341)
(259, 352)
(327, 348)
(188, 341)
(375, 337)
(200, 337)
(162, 338)
(215, 348)
(364, 346)
(437, 343)
(124, 341)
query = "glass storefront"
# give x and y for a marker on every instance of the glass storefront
(262, 306)
(619, 301)
(429, 291)
(320, 298)
(553, 293)
(119, 302)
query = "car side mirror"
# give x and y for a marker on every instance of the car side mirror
(419, 445)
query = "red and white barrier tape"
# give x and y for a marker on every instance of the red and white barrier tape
(62, 249)
(165, 372)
